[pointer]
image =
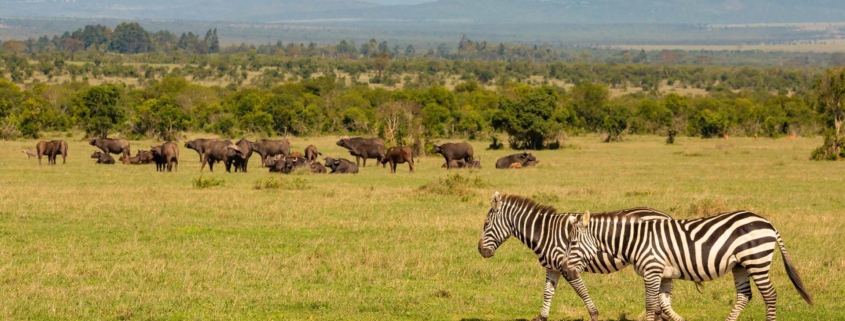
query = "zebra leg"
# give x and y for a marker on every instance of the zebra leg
(767, 291)
(652, 296)
(666, 302)
(552, 277)
(581, 289)
(743, 292)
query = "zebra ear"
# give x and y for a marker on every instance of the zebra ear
(585, 218)
(496, 203)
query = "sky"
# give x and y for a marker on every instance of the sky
(393, 2)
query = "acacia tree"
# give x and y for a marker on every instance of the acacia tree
(96, 109)
(830, 103)
(532, 117)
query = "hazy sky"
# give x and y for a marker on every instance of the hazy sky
(389, 2)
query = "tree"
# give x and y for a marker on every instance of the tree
(590, 101)
(72, 45)
(615, 122)
(830, 103)
(96, 110)
(532, 116)
(130, 38)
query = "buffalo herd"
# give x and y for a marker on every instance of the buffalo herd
(276, 155)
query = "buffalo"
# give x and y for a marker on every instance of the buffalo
(166, 155)
(311, 153)
(199, 145)
(398, 155)
(522, 158)
(341, 166)
(51, 149)
(454, 151)
(111, 146)
(293, 163)
(145, 156)
(363, 148)
(460, 163)
(103, 158)
(134, 160)
(219, 151)
(241, 160)
(317, 168)
(267, 147)
(275, 163)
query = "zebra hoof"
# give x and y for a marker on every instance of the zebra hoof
(540, 318)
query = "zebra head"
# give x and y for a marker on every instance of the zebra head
(582, 247)
(496, 229)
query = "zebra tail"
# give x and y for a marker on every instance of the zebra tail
(793, 273)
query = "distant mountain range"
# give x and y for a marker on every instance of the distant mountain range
(442, 11)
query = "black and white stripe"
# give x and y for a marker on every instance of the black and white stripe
(546, 232)
(698, 250)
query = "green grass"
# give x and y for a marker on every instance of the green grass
(116, 242)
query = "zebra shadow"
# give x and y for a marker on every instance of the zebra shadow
(619, 318)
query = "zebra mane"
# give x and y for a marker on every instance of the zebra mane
(529, 203)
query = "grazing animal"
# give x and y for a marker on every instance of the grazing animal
(267, 147)
(51, 149)
(219, 151)
(111, 145)
(515, 165)
(545, 231)
(199, 145)
(341, 166)
(166, 155)
(698, 250)
(241, 160)
(311, 153)
(363, 148)
(103, 158)
(460, 163)
(790, 137)
(454, 151)
(521, 158)
(724, 136)
(399, 155)
(29, 153)
(317, 168)
(144, 156)
(275, 163)
(292, 163)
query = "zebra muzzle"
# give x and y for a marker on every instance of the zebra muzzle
(484, 251)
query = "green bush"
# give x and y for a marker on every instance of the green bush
(202, 182)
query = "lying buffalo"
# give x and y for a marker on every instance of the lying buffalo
(317, 168)
(111, 146)
(293, 163)
(363, 148)
(134, 160)
(219, 151)
(398, 155)
(166, 155)
(460, 163)
(145, 156)
(51, 149)
(341, 166)
(199, 145)
(521, 158)
(241, 160)
(267, 147)
(102, 158)
(454, 151)
(311, 153)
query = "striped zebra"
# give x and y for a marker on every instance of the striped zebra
(546, 232)
(698, 250)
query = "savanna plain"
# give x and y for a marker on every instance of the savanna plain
(81, 241)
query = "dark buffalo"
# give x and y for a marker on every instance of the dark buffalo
(317, 168)
(112, 146)
(166, 155)
(219, 151)
(51, 149)
(103, 158)
(521, 158)
(311, 153)
(145, 156)
(241, 160)
(398, 155)
(454, 151)
(266, 148)
(198, 145)
(274, 163)
(341, 166)
(364, 148)
(293, 163)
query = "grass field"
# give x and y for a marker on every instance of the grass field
(96, 242)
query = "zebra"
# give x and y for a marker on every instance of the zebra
(546, 232)
(698, 250)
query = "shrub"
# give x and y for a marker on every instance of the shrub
(202, 182)
(455, 184)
